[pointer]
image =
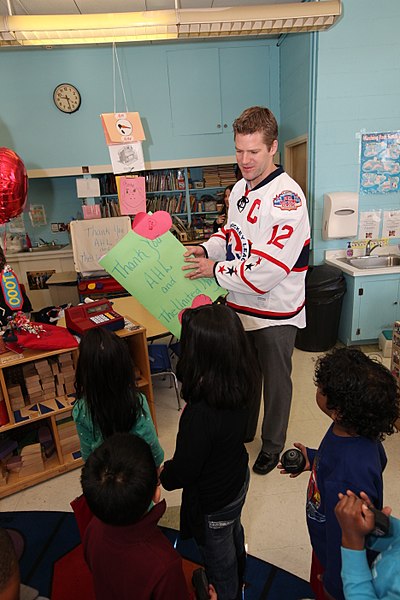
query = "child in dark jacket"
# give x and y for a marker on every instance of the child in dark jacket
(361, 397)
(220, 377)
(127, 553)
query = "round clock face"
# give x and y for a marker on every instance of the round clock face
(67, 98)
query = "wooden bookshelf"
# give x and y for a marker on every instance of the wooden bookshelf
(50, 419)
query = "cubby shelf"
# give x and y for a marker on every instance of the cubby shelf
(66, 454)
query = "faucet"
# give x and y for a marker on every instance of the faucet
(369, 249)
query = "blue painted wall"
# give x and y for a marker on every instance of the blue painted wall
(46, 138)
(358, 87)
(294, 87)
(58, 197)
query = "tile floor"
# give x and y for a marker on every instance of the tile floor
(273, 515)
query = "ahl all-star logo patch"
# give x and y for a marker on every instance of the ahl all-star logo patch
(287, 201)
(238, 245)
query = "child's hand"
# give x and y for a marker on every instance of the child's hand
(355, 519)
(212, 594)
(307, 466)
(386, 509)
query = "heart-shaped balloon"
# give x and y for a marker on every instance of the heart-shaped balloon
(13, 185)
(200, 300)
(152, 226)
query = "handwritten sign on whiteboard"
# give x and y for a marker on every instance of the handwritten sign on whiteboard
(93, 238)
(151, 271)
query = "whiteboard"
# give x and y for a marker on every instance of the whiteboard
(93, 238)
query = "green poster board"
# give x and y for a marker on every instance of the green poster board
(151, 271)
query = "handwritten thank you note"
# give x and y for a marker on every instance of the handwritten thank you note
(151, 271)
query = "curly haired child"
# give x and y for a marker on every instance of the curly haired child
(361, 397)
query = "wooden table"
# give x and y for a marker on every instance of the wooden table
(130, 307)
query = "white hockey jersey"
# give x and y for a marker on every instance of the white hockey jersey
(262, 252)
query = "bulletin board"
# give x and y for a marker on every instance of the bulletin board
(93, 238)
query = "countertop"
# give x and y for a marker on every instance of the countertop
(337, 258)
(40, 254)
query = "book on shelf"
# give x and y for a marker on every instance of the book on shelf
(172, 204)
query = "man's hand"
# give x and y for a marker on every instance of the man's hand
(307, 467)
(194, 251)
(197, 265)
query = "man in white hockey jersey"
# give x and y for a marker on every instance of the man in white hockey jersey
(261, 257)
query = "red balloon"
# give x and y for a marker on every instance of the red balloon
(13, 185)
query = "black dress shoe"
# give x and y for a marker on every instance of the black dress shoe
(265, 463)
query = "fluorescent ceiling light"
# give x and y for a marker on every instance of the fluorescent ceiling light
(263, 20)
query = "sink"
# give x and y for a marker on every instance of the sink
(374, 261)
(46, 248)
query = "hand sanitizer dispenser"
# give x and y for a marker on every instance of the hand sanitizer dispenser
(340, 217)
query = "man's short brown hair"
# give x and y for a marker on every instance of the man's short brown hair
(254, 119)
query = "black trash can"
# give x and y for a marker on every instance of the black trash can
(325, 288)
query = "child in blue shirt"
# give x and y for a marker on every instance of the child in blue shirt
(361, 397)
(360, 582)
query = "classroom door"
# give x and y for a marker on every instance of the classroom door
(296, 164)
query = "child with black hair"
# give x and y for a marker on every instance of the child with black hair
(127, 553)
(220, 378)
(107, 398)
(11, 587)
(361, 397)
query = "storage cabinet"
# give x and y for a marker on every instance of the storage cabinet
(38, 439)
(212, 95)
(371, 304)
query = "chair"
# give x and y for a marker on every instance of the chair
(160, 364)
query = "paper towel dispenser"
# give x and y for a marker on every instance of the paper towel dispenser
(340, 216)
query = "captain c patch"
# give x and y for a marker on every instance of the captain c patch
(287, 201)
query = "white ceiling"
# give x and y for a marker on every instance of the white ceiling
(74, 7)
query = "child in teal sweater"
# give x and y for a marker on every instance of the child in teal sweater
(107, 399)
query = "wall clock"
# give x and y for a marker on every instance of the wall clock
(67, 98)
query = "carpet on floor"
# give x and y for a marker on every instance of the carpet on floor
(51, 560)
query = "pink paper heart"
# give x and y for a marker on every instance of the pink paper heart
(152, 226)
(200, 300)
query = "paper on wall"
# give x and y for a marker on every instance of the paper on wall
(132, 195)
(368, 228)
(121, 128)
(87, 188)
(391, 224)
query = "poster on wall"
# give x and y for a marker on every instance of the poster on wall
(380, 162)
(391, 224)
(37, 215)
(368, 228)
(132, 195)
